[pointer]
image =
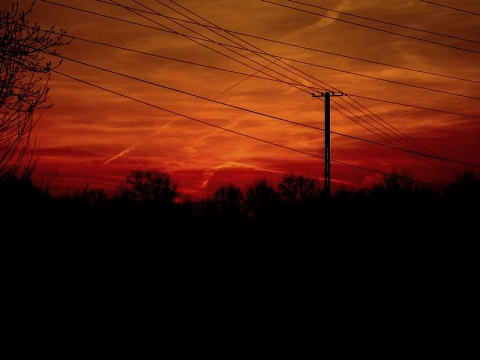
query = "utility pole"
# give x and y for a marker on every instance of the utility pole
(327, 96)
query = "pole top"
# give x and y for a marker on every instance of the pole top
(330, 93)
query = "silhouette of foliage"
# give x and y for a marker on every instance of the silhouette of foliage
(466, 186)
(230, 200)
(297, 189)
(148, 187)
(261, 200)
(399, 181)
(21, 193)
(86, 198)
(24, 85)
(296, 207)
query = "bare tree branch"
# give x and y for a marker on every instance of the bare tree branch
(24, 78)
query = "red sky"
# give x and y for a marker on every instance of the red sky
(221, 91)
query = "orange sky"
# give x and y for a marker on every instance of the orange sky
(220, 91)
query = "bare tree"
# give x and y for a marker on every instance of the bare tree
(297, 189)
(399, 181)
(261, 199)
(229, 198)
(24, 77)
(148, 187)
(465, 187)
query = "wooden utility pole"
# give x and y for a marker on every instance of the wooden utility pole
(327, 96)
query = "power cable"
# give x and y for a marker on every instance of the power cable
(374, 28)
(386, 22)
(415, 106)
(257, 76)
(450, 7)
(232, 131)
(256, 62)
(254, 112)
(216, 27)
(312, 49)
(243, 47)
(299, 84)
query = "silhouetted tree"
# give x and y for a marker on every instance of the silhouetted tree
(347, 200)
(24, 77)
(398, 181)
(396, 185)
(229, 199)
(298, 189)
(19, 194)
(148, 187)
(300, 197)
(205, 211)
(88, 198)
(261, 200)
(466, 187)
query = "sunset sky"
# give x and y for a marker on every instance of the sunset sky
(220, 91)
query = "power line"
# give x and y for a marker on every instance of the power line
(239, 133)
(400, 138)
(170, 8)
(261, 38)
(356, 58)
(390, 81)
(253, 111)
(308, 48)
(182, 91)
(386, 22)
(206, 39)
(215, 25)
(256, 62)
(192, 118)
(452, 8)
(262, 77)
(373, 28)
(175, 59)
(249, 75)
(427, 108)
(278, 57)
(415, 106)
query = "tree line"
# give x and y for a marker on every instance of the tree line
(150, 198)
